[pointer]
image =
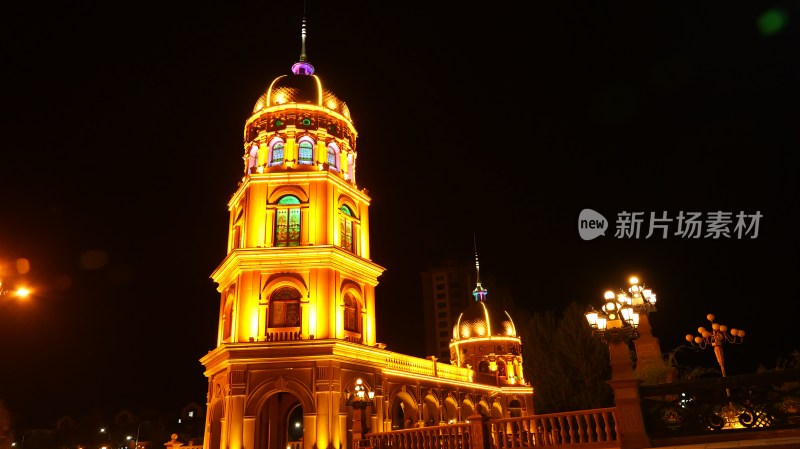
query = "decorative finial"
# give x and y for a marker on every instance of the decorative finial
(303, 67)
(479, 293)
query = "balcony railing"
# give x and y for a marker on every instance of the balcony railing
(588, 428)
(763, 401)
(451, 436)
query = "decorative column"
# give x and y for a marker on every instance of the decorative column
(630, 421)
(616, 324)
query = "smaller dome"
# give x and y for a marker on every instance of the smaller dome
(483, 319)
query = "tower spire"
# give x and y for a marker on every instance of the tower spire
(303, 67)
(479, 293)
(303, 39)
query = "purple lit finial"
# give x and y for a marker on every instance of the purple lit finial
(303, 67)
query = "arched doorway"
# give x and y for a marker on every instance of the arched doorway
(280, 422)
(404, 411)
(430, 412)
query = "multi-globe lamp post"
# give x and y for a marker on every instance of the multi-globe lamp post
(622, 312)
(731, 415)
(616, 323)
(626, 315)
(361, 398)
(716, 337)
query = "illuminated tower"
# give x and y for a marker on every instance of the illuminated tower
(298, 249)
(296, 363)
(297, 266)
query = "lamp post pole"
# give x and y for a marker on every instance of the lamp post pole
(731, 415)
(361, 398)
(643, 301)
(138, 428)
(616, 324)
(715, 338)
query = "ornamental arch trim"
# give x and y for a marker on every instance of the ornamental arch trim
(279, 384)
(282, 191)
(345, 200)
(278, 280)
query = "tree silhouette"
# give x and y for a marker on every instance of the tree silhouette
(6, 430)
(567, 366)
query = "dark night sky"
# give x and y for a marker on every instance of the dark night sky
(122, 135)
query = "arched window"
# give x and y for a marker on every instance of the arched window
(276, 155)
(333, 156)
(237, 230)
(227, 317)
(252, 159)
(305, 151)
(284, 308)
(346, 218)
(287, 221)
(501, 368)
(352, 314)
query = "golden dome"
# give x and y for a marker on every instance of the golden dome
(483, 319)
(301, 88)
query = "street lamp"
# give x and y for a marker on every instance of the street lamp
(361, 398)
(718, 335)
(732, 416)
(642, 299)
(106, 431)
(616, 320)
(19, 292)
(138, 428)
(616, 323)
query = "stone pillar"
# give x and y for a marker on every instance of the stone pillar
(480, 434)
(648, 350)
(630, 421)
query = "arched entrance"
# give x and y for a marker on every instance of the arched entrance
(280, 423)
(404, 411)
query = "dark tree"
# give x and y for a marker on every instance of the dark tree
(567, 366)
(6, 430)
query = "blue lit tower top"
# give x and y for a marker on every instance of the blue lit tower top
(479, 293)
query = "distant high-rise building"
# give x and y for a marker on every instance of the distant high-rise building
(446, 292)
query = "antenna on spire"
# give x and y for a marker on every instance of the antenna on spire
(477, 264)
(302, 67)
(479, 293)
(303, 39)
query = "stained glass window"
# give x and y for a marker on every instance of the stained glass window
(333, 156)
(287, 222)
(346, 228)
(306, 153)
(284, 308)
(277, 154)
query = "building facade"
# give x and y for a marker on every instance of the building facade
(297, 363)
